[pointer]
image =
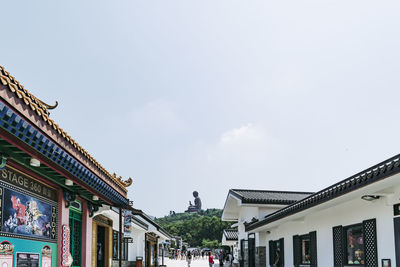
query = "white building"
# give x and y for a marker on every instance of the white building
(145, 242)
(352, 223)
(243, 206)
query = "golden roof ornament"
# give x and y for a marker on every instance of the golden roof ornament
(125, 183)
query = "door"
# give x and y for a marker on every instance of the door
(101, 241)
(75, 225)
(252, 250)
(397, 239)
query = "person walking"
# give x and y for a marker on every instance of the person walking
(229, 258)
(189, 258)
(210, 260)
(221, 259)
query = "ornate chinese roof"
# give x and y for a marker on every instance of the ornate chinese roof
(41, 109)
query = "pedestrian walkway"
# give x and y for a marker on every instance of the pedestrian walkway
(194, 263)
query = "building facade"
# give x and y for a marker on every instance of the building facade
(50, 188)
(243, 206)
(354, 222)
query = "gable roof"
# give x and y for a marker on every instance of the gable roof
(231, 234)
(369, 176)
(248, 196)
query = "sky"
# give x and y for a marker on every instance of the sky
(212, 95)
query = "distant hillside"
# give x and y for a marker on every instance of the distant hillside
(203, 229)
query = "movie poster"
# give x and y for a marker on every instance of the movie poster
(26, 215)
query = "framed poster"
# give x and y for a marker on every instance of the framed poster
(27, 259)
(27, 214)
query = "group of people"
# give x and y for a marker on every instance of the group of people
(197, 254)
(222, 258)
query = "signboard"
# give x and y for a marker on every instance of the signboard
(14, 177)
(127, 214)
(6, 254)
(27, 207)
(46, 256)
(66, 258)
(128, 240)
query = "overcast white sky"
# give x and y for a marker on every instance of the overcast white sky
(211, 95)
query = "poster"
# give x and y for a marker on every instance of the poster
(26, 215)
(127, 214)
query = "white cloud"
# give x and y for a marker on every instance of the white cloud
(247, 144)
(157, 115)
(247, 133)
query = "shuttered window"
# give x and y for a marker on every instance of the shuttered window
(355, 245)
(276, 253)
(305, 249)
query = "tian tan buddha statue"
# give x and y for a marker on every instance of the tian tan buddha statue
(197, 203)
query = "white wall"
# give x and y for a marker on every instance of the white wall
(137, 248)
(350, 212)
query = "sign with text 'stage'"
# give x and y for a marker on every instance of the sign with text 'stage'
(27, 207)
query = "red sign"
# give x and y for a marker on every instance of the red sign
(66, 258)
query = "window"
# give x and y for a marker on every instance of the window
(276, 253)
(354, 244)
(115, 245)
(125, 249)
(305, 250)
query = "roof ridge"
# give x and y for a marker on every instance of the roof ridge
(273, 191)
(36, 105)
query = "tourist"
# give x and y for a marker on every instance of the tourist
(189, 258)
(229, 258)
(221, 258)
(210, 259)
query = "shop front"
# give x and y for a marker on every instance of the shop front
(151, 249)
(102, 238)
(50, 188)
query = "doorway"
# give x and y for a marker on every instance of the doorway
(75, 225)
(101, 240)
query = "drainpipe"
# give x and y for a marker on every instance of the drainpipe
(120, 237)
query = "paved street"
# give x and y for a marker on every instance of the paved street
(183, 263)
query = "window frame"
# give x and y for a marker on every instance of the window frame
(281, 254)
(301, 238)
(345, 243)
(115, 242)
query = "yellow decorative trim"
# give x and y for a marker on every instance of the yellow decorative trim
(126, 183)
(41, 109)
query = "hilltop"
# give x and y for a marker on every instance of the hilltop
(202, 229)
